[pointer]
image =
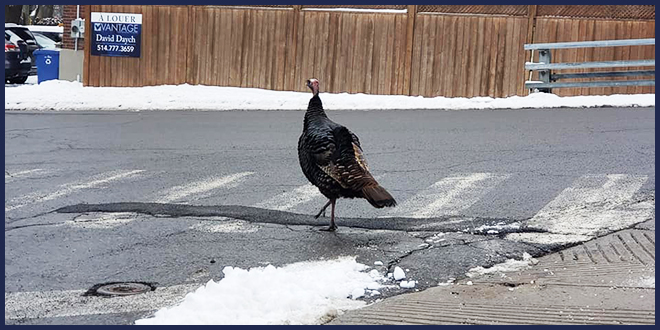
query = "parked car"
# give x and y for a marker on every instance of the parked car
(17, 32)
(52, 32)
(17, 62)
(45, 42)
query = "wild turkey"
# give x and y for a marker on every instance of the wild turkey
(331, 158)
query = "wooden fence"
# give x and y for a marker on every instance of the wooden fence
(457, 52)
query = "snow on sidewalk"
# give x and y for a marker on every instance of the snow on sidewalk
(60, 95)
(299, 293)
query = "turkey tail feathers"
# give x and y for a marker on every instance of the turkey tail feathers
(378, 196)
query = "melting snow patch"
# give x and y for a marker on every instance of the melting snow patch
(299, 293)
(494, 229)
(375, 275)
(647, 282)
(378, 263)
(398, 273)
(407, 284)
(450, 281)
(435, 239)
(357, 293)
(511, 265)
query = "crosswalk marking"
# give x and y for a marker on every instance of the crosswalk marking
(70, 188)
(48, 304)
(9, 177)
(102, 220)
(449, 196)
(199, 187)
(290, 199)
(593, 203)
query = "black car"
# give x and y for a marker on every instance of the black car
(17, 61)
(21, 32)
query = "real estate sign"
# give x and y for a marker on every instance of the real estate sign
(116, 34)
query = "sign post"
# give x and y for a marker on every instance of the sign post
(116, 34)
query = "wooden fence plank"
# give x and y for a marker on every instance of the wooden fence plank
(489, 31)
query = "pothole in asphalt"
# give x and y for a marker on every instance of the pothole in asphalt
(114, 289)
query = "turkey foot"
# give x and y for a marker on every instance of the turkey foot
(332, 227)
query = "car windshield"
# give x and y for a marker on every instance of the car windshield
(43, 41)
(24, 34)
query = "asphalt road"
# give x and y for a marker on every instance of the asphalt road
(170, 198)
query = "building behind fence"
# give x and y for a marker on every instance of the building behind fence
(428, 50)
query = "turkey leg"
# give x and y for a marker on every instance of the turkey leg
(332, 227)
(323, 209)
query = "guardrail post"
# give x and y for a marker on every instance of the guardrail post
(544, 75)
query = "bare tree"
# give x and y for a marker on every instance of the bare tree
(25, 15)
(13, 13)
(44, 11)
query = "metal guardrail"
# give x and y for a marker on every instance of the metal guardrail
(548, 78)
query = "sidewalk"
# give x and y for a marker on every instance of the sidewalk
(609, 280)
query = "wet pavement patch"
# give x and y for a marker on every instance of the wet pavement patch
(116, 289)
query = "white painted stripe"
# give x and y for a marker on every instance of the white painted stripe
(290, 199)
(179, 192)
(225, 226)
(11, 177)
(69, 188)
(595, 203)
(47, 304)
(449, 196)
(21, 173)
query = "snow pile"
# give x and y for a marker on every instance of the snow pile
(299, 293)
(511, 265)
(64, 95)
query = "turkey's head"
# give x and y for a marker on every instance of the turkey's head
(313, 84)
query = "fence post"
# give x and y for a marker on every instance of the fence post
(531, 22)
(544, 75)
(189, 44)
(410, 37)
(294, 47)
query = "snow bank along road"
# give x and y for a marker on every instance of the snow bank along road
(171, 199)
